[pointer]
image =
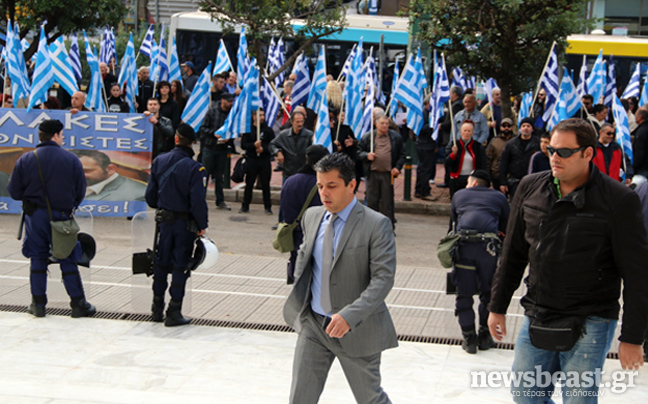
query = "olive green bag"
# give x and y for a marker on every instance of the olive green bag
(446, 249)
(284, 241)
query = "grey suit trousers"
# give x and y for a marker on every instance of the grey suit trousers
(314, 355)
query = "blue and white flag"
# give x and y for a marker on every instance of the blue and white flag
(354, 90)
(323, 127)
(610, 87)
(622, 128)
(370, 85)
(410, 93)
(174, 63)
(582, 78)
(163, 64)
(490, 85)
(94, 100)
(568, 102)
(147, 44)
(61, 67)
(198, 102)
(440, 95)
(632, 89)
(301, 89)
(525, 107)
(43, 75)
(379, 95)
(222, 60)
(318, 86)
(458, 79)
(128, 74)
(271, 103)
(549, 82)
(75, 58)
(108, 46)
(596, 80)
(20, 86)
(393, 107)
(242, 58)
(276, 59)
(348, 61)
(239, 119)
(153, 68)
(644, 94)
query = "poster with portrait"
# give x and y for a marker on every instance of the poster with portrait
(114, 149)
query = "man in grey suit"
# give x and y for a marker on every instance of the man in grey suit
(103, 181)
(345, 269)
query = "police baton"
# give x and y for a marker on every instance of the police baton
(21, 225)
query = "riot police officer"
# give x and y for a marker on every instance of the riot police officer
(479, 214)
(64, 185)
(176, 189)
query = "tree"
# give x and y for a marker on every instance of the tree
(508, 40)
(63, 16)
(265, 18)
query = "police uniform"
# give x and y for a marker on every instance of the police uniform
(65, 185)
(479, 214)
(176, 188)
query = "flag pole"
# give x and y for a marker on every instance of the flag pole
(371, 147)
(391, 96)
(337, 133)
(283, 105)
(535, 96)
(452, 122)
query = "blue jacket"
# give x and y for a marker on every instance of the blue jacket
(481, 209)
(183, 191)
(63, 174)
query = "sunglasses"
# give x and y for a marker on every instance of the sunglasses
(506, 125)
(611, 133)
(564, 152)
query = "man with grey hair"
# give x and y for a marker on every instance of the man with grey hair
(471, 113)
(145, 88)
(456, 104)
(609, 157)
(78, 102)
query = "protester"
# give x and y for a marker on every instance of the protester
(464, 157)
(258, 156)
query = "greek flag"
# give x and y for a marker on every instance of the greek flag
(43, 76)
(242, 58)
(174, 64)
(642, 101)
(354, 90)
(62, 69)
(318, 86)
(410, 93)
(490, 85)
(568, 102)
(301, 89)
(379, 96)
(146, 48)
(154, 68)
(440, 95)
(128, 74)
(622, 127)
(75, 59)
(94, 100)
(596, 80)
(20, 87)
(323, 128)
(276, 60)
(367, 113)
(393, 108)
(108, 46)
(610, 88)
(198, 102)
(525, 107)
(271, 103)
(239, 119)
(582, 79)
(632, 89)
(348, 61)
(458, 79)
(549, 82)
(222, 60)
(163, 64)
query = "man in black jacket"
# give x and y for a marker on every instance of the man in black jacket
(581, 234)
(456, 104)
(640, 146)
(514, 163)
(258, 162)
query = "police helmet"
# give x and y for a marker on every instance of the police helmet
(88, 249)
(205, 254)
(637, 180)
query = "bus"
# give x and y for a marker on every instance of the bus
(198, 37)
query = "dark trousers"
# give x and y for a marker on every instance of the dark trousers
(473, 271)
(380, 193)
(426, 169)
(457, 183)
(36, 246)
(175, 247)
(215, 162)
(262, 169)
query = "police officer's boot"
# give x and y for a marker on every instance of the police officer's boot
(173, 315)
(36, 309)
(82, 308)
(157, 309)
(485, 340)
(470, 341)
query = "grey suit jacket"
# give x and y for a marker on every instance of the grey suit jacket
(121, 189)
(363, 274)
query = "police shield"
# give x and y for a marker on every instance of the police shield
(144, 240)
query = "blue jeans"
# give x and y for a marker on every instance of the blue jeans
(588, 355)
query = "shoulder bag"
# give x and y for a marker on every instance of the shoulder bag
(283, 241)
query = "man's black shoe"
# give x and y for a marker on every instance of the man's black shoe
(82, 308)
(269, 212)
(223, 206)
(36, 310)
(470, 342)
(244, 210)
(442, 185)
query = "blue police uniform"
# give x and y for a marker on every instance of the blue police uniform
(481, 210)
(182, 195)
(65, 185)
